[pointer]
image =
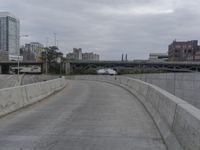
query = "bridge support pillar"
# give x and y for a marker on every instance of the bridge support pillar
(0, 69)
(67, 68)
(197, 69)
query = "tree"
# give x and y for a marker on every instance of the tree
(51, 55)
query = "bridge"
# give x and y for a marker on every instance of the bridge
(72, 66)
(96, 113)
(5, 65)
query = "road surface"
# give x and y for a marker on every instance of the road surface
(7, 81)
(85, 115)
(29, 79)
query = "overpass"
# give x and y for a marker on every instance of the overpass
(97, 113)
(5, 65)
(72, 66)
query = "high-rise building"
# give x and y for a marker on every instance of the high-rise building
(32, 51)
(77, 53)
(9, 34)
(3, 55)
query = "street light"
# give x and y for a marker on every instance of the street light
(59, 60)
(60, 67)
(46, 62)
(47, 45)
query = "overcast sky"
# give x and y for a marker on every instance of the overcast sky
(108, 27)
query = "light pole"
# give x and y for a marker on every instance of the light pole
(46, 62)
(60, 67)
(18, 57)
(59, 60)
(47, 46)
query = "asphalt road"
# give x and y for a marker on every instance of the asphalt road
(29, 79)
(84, 116)
(7, 81)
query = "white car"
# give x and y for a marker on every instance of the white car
(107, 71)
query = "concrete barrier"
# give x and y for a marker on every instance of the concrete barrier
(177, 120)
(183, 85)
(12, 99)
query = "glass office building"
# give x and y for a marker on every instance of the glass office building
(9, 33)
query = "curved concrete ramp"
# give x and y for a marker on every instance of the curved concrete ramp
(177, 120)
(87, 115)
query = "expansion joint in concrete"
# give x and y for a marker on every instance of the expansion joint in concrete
(174, 116)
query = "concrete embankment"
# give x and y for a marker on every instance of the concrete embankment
(12, 99)
(183, 85)
(177, 120)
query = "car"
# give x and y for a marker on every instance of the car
(106, 71)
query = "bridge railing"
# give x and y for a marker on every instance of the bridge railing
(177, 121)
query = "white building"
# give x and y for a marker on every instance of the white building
(78, 55)
(90, 57)
(158, 56)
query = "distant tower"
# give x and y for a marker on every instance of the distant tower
(126, 58)
(122, 57)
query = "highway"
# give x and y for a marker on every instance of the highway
(85, 115)
(29, 79)
(7, 81)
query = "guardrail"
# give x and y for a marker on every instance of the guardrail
(177, 121)
(14, 98)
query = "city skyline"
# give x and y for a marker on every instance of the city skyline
(106, 27)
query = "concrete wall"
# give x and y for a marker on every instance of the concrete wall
(183, 85)
(12, 99)
(177, 120)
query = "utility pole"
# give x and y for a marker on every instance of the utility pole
(60, 66)
(55, 39)
(19, 57)
(46, 61)
(47, 41)
(57, 43)
(18, 67)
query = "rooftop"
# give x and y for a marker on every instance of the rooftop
(6, 14)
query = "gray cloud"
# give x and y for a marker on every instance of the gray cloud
(108, 27)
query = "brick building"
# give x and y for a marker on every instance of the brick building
(183, 50)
